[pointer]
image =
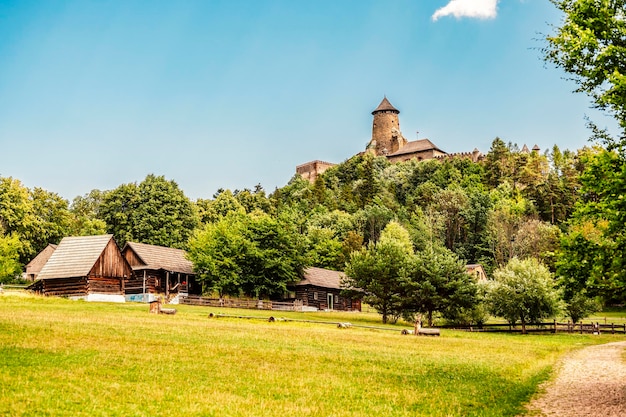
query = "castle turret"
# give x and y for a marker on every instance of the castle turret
(386, 135)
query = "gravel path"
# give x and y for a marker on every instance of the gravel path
(590, 382)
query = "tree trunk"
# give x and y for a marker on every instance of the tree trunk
(430, 318)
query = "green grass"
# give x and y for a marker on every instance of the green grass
(69, 358)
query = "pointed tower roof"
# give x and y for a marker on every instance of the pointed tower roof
(385, 105)
(525, 149)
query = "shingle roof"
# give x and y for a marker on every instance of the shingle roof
(419, 145)
(321, 277)
(385, 105)
(42, 257)
(161, 257)
(74, 257)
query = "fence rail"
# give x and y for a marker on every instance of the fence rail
(13, 287)
(240, 303)
(548, 327)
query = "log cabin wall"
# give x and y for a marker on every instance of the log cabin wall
(106, 285)
(314, 296)
(65, 287)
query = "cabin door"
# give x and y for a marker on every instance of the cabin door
(330, 299)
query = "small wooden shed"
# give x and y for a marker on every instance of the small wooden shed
(160, 270)
(34, 266)
(321, 288)
(477, 271)
(88, 267)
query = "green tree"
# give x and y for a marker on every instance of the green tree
(508, 212)
(498, 163)
(584, 258)
(537, 239)
(10, 266)
(252, 254)
(252, 200)
(216, 252)
(371, 220)
(451, 203)
(274, 257)
(437, 282)
(16, 215)
(591, 256)
(84, 212)
(474, 245)
(156, 212)
(224, 203)
(37, 216)
(52, 218)
(324, 249)
(581, 305)
(557, 192)
(117, 209)
(590, 46)
(380, 270)
(524, 291)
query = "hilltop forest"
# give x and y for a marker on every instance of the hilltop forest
(513, 204)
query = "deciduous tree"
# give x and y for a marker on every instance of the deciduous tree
(380, 270)
(10, 267)
(253, 254)
(156, 212)
(590, 46)
(524, 291)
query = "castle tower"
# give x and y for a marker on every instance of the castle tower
(386, 135)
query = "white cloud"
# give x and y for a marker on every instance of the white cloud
(480, 9)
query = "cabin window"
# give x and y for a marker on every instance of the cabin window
(336, 298)
(315, 295)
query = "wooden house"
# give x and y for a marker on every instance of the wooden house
(87, 267)
(34, 266)
(477, 271)
(159, 270)
(321, 289)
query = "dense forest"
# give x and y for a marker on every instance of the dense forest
(513, 204)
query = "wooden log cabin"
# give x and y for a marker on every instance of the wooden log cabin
(85, 267)
(159, 270)
(321, 289)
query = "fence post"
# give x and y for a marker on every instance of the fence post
(554, 326)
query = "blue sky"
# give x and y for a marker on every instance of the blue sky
(234, 93)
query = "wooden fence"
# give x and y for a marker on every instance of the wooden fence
(548, 327)
(241, 303)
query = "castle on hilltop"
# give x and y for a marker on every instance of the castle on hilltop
(387, 140)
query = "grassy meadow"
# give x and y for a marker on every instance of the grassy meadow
(70, 358)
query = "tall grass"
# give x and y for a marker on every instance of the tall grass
(68, 358)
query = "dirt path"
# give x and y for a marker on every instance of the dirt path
(590, 382)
